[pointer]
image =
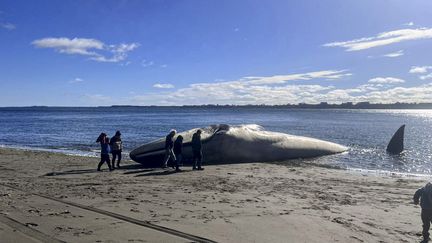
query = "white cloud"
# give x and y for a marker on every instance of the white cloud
(93, 48)
(422, 70)
(280, 79)
(163, 86)
(288, 94)
(382, 39)
(247, 90)
(76, 80)
(8, 26)
(409, 23)
(70, 46)
(427, 76)
(386, 80)
(419, 69)
(395, 54)
(275, 90)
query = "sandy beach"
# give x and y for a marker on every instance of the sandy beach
(54, 197)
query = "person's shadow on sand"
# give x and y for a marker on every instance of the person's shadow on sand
(131, 167)
(162, 173)
(137, 171)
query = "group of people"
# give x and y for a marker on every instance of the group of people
(113, 146)
(174, 150)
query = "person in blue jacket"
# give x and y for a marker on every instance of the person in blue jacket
(105, 150)
(425, 196)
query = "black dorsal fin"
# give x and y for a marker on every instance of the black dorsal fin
(396, 144)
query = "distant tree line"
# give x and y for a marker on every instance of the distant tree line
(346, 105)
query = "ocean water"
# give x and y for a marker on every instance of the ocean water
(365, 132)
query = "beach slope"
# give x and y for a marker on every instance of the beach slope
(64, 198)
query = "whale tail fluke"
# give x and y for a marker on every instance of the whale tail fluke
(396, 144)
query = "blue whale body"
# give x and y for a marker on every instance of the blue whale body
(223, 144)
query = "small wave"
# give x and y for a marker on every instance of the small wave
(54, 150)
(387, 173)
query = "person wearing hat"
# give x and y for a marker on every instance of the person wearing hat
(105, 150)
(197, 150)
(116, 149)
(425, 196)
(169, 144)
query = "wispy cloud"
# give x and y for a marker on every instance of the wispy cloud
(119, 52)
(383, 39)
(163, 86)
(386, 80)
(76, 80)
(147, 63)
(125, 63)
(95, 49)
(280, 79)
(7, 26)
(409, 24)
(420, 69)
(394, 54)
(427, 76)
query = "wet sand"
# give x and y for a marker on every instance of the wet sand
(256, 202)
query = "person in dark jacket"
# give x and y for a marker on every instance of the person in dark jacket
(105, 150)
(425, 196)
(169, 144)
(116, 148)
(178, 147)
(197, 150)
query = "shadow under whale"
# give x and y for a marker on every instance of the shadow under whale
(224, 144)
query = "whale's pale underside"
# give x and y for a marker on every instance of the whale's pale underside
(242, 143)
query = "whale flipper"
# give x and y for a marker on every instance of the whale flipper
(396, 144)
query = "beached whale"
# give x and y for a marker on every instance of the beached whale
(236, 144)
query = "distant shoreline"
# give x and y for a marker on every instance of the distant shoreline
(322, 105)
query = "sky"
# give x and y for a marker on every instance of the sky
(193, 52)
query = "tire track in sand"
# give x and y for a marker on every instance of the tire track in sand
(163, 229)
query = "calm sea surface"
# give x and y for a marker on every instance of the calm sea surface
(366, 132)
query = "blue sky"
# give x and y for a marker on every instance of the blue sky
(154, 52)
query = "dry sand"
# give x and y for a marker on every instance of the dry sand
(256, 202)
